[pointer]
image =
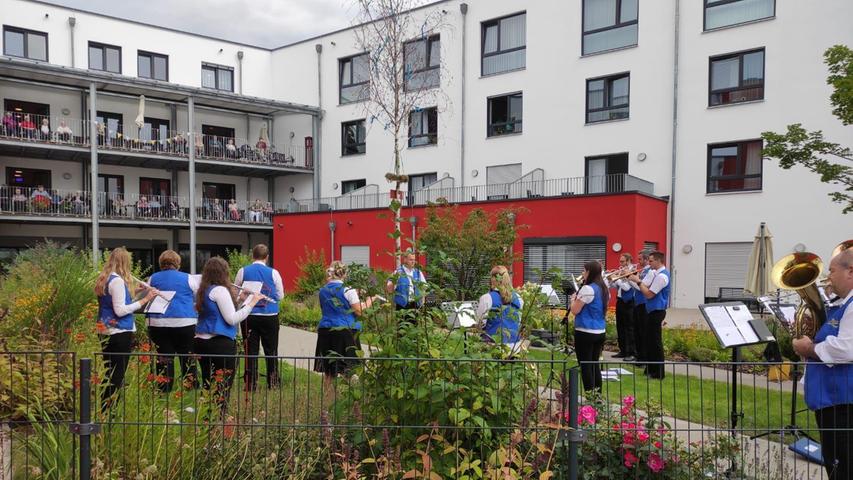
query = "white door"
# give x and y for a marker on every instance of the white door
(359, 254)
(725, 266)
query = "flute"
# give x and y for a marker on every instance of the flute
(263, 297)
(144, 284)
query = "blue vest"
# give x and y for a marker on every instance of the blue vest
(183, 303)
(210, 319)
(504, 318)
(262, 273)
(106, 314)
(591, 317)
(661, 300)
(639, 298)
(829, 386)
(626, 296)
(401, 295)
(337, 311)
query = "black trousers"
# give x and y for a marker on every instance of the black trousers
(639, 314)
(170, 341)
(836, 440)
(653, 343)
(625, 328)
(588, 347)
(262, 330)
(116, 349)
(217, 372)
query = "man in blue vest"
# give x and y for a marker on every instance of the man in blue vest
(408, 290)
(639, 310)
(625, 313)
(262, 324)
(829, 389)
(655, 288)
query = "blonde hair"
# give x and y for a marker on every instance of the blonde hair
(337, 271)
(118, 262)
(501, 282)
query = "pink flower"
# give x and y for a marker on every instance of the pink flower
(628, 401)
(630, 459)
(655, 463)
(628, 438)
(588, 414)
(642, 436)
(658, 444)
(625, 411)
(662, 430)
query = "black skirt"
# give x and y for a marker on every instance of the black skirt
(332, 345)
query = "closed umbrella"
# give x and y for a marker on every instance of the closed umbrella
(760, 263)
(140, 117)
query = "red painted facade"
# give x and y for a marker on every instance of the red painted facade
(627, 218)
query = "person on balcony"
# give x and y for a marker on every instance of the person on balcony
(231, 149)
(77, 203)
(40, 192)
(19, 201)
(262, 146)
(45, 129)
(268, 211)
(256, 211)
(9, 126)
(28, 128)
(142, 206)
(233, 211)
(102, 133)
(63, 132)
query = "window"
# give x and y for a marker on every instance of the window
(215, 139)
(19, 42)
(423, 127)
(354, 78)
(348, 186)
(504, 115)
(217, 77)
(734, 167)
(608, 24)
(217, 191)
(154, 129)
(567, 254)
(155, 187)
(722, 13)
(607, 98)
(726, 264)
(353, 136)
(423, 59)
(359, 254)
(504, 43)
(736, 78)
(106, 58)
(27, 177)
(112, 123)
(152, 65)
(606, 174)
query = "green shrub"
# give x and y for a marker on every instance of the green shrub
(312, 273)
(237, 260)
(301, 314)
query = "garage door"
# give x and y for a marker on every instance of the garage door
(725, 266)
(568, 257)
(355, 254)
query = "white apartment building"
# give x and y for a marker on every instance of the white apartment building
(666, 97)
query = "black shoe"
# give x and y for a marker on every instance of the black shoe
(619, 355)
(630, 358)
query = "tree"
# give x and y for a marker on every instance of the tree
(809, 149)
(399, 82)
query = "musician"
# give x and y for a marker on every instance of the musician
(639, 310)
(172, 332)
(829, 390)
(262, 325)
(589, 306)
(655, 288)
(625, 312)
(216, 331)
(499, 310)
(116, 324)
(407, 289)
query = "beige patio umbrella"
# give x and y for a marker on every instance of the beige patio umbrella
(263, 135)
(760, 264)
(140, 116)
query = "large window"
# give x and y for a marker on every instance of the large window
(722, 13)
(737, 77)
(607, 98)
(217, 77)
(110, 127)
(606, 173)
(217, 191)
(566, 254)
(106, 58)
(19, 42)
(354, 78)
(27, 177)
(353, 135)
(423, 127)
(608, 24)
(504, 43)
(504, 115)
(154, 129)
(734, 167)
(152, 65)
(155, 187)
(348, 186)
(423, 59)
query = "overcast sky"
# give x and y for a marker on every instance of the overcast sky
(266, 23)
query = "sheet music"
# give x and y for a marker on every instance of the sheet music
(160, 304)
(741, 316)
(250, 286)
(725, 327)
(550, 294)
(464, 315)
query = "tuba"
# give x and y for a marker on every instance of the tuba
(800, 272)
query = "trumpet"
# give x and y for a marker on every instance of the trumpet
(613, 278)
(263, 297)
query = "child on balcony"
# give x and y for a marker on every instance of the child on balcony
(45, 129)
(63, 133)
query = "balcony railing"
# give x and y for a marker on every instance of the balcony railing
(22, 201)
(530, 186)
(114, 136)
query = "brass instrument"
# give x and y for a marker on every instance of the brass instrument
(800, 272)
(630, 272)
(846, 244)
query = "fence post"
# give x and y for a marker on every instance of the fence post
(85, 428)
(575, 435)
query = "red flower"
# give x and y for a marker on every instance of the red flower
(144, 359)
(642, 436)
(68, 331)
(145, 347)
(656, 463)
(658, 444)
(179, 394)
(625, 411)
(80, 338)
(162, 379)
(151, 378)
(588, 414)
(96, 380)
(628, 438)
(628, 401)
(630, 459)
(100, 328)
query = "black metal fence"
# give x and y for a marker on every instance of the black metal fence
(399, 418)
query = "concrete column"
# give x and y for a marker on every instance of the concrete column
(93, 160)
(191, 172)
(315, 135)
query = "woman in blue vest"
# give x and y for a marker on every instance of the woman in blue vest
(589, 306)
(116, 324)
(217, 328)
(500, 310)
(337, 334)
(172, 332)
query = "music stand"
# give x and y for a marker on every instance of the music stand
(461, 315)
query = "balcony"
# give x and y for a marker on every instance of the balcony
(75, 206)
(530, 186)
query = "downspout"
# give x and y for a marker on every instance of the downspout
(317, 125)
(464, 9)
(332, 232)
(71, 22)
(240, 67)
(674, 165)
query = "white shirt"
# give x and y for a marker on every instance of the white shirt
(647, 280)
(276, 278)
(658, 280)
(222, 298)
(838, 349)
(193, 281)
(586, 295)
(120, 306)
(622, 285)
(410, 272)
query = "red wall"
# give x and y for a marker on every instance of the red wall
(629, 219)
